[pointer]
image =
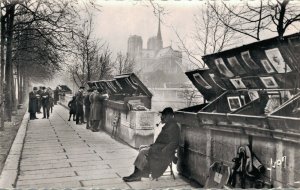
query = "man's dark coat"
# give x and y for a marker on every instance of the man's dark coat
(162, 151)
(33, 103)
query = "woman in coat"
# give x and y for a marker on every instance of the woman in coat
(72, 106)
(96, 113)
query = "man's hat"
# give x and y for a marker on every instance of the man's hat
(167, 110)
(43, 88)
(35, 88)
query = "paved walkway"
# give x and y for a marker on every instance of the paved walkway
(60, 154)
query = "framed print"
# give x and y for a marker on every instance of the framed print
(248, 60)
(235, 65)
(268, 67)
(269, 82)
(223, 69)
(213, 77)
(277, 60)
(200, 80)
(237, 83)
(253, 95)
(234, 103)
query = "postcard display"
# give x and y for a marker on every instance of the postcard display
(253, 98)
(127, 111)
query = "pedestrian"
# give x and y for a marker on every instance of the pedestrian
(155, 159)
(79, 106)
(72, 107)
(33, 103)
(56, 95)
(39, 92)
(45, 102)
(51, 100)
(87, 106)
(96, 115)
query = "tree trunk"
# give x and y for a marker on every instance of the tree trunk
(20, 85)
(8, 66)
(2, 62)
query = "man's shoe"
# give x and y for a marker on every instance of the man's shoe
(132, 178)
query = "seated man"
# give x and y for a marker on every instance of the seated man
(154, 159)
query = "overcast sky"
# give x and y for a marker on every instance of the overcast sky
(120, 19)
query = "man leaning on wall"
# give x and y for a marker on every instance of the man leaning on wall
(155, 158)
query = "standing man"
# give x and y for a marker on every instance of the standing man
(87, 106)
(45, 102)
(79, 106)
(96, 99)
(56, 95)
(33, 103)
(154, 159)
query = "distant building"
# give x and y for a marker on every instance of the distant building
(160, 68)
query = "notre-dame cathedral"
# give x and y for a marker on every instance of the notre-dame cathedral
(160, 68)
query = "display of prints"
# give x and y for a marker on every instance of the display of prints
(248, 60)
(198, 78)
(212, 76)
(269, 82)
(223, 69)
(277, 60)
(237, 83)
(268, 67)
(234, 103)
(233, 62)
(253, 95)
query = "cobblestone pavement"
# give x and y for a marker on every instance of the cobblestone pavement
(59, 154)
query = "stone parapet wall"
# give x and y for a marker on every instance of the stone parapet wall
(211, 137)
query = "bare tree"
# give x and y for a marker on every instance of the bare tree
(189, 94)
(252, 19)
(104, 67)
(53, 22)
(209, 35)
(124, 64)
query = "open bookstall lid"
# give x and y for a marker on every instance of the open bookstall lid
(268, 64)
(131, 84)
(207, 83)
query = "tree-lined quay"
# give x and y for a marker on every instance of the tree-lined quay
(227, 72)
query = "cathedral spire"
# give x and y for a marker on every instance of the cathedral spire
(159, 32)
(159, 38)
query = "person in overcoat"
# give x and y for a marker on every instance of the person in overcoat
(154, 159)
(56, 95)
(33, 103)
(45, 102)
(79, 106)
(96, 114)
(72, 107)
(87, 107)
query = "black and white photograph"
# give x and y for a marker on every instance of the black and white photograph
(98, 94)
(223, 69)
(235, 65)
(234, 103)
(253, 95)
(267, 66)
(277, 60)
(200, 80)
(269, 82)
(237, 83)
(248, 60)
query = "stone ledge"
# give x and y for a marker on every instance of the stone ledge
(10, 171)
